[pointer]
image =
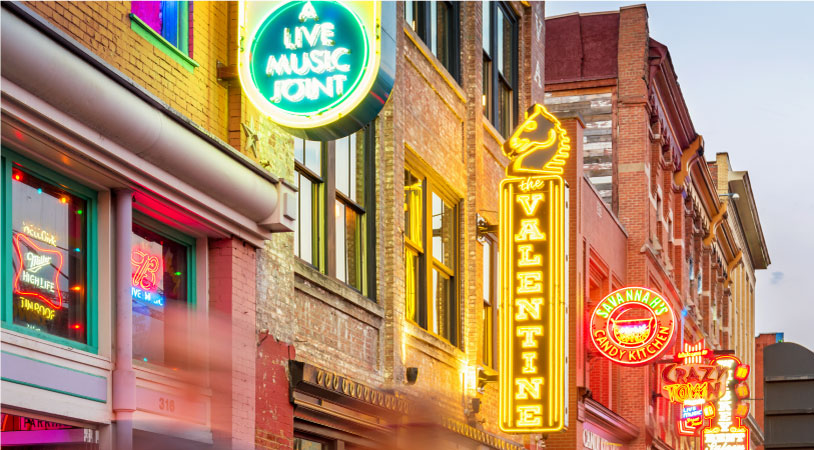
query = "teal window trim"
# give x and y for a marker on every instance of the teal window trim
(179, 55)
(192, 265)
(90, 197)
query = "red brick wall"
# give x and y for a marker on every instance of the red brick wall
(274, 413)
(232, 281)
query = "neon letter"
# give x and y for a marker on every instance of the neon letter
(525, 261)
(530, 416)
(528, 386)
(528, 366)
(528, 307)
(529, 332)
(529, 202)
(529, 231)
(530, 282)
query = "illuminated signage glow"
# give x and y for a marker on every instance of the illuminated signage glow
(632, 326)
(725, 431)
(309, 64)
(693, 383)
(533, 271)
(146, 270)
(31, 280)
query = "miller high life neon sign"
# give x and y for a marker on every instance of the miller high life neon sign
(533, 271)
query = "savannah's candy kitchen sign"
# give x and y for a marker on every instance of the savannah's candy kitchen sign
(320, 69)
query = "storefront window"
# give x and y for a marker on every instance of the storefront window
(160, 288)
(49, 257)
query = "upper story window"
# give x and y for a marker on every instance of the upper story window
(162, 288)
(436, 23)
(336, 192)
(431, 243)
(48, 243)
(168, 26)
(491, 288)
(500, 66)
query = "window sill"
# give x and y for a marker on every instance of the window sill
(434, 341)
(32, 345)
(313, 276)
(49, 340)
(143, 30)
(487, 125)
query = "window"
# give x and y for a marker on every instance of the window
(436, 23)
(499, 66)
(491, 288)
(430, 258)
(167, 25)
(162, 288)
(48, 283)
(336, 194)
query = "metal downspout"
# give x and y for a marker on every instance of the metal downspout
(124, 378)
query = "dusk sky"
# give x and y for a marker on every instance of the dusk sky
(746, 70)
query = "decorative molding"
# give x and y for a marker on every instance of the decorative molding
(713, 224)
(695, 148)
(731, 266)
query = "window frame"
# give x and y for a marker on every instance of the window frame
(423, 16)
(493, 302)
(181, 54)
(428, 263)
(324, 226)
(190, 243)
(492, 100)
(90, 197)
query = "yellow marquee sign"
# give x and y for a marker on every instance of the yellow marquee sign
(533, 252)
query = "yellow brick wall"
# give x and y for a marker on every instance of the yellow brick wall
(104, 29)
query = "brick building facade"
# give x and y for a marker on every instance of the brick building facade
(646, 162)
(372, 324)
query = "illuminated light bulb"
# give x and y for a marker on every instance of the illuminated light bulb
(177, 274)
(63, 199)
(76, 288)
(77, 327)
(17, 176)
(39, 190)
(79, 211)
(77, 249)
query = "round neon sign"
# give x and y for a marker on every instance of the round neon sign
(632, 326)
(313, 66)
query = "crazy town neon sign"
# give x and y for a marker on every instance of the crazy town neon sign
(533, 271)
(632, 326)
(692, 383)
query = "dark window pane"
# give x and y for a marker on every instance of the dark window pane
(506, 51)
(159, 290)
(443, 223)
(441, 306)
(49, 258)
(349, 246)
(342, 169)
(305, 234)
(306, 444)
(487, 28)
(299, 150)
(506, 109)
(411, 285)
(413, 198)
(487, 87)
(487, 272)
(357, 168)
(313, 156)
